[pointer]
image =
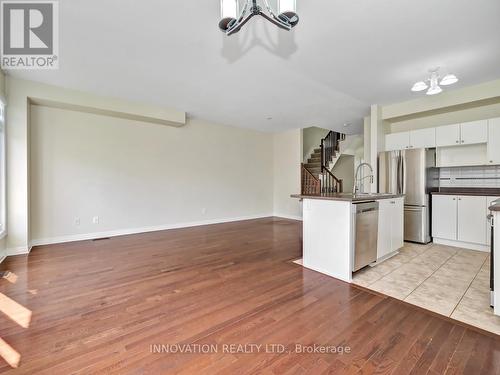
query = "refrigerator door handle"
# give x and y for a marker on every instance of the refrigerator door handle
(403, 174)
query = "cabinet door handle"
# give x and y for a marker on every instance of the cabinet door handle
(454, 199)
(457, 142)
(463, 141)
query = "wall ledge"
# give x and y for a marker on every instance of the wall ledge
(144, 113)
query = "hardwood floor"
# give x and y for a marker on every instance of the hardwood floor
(106, 306)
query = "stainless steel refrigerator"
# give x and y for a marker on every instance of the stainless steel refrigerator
(413, 173)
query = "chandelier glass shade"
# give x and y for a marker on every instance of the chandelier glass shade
(433, 83)
(233, 17)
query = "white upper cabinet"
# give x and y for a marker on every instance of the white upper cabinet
(484, 135)
(448, 135)
(474, 132)
(397, 141)
(423, 138)
(494, 141)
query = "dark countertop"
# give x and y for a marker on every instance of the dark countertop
(488, 192)
(349, 197)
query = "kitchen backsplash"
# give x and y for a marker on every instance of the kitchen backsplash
(480, 177)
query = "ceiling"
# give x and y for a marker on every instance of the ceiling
(343, 56)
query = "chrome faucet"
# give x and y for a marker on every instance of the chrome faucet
(355, 188)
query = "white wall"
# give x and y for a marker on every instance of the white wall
(287, 159)
(138, 176)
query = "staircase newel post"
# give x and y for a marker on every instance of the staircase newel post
(302, 179)
(322, 147)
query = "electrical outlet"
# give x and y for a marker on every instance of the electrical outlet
(95, 220)
(77, 221)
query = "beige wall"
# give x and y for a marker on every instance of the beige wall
(311, 140)
(344, 170)
(18, 152)
(2, 85)
(136, 176)
(3, 241)
(446, 118)
(472, 103)
(66, 162)
(286, 175)
(449, 99)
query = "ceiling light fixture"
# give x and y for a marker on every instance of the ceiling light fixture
(433, 83)
(449, 79)
(232, 20)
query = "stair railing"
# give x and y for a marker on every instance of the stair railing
(327, 182)
(330, 145)
(310, 185)
(330, 183)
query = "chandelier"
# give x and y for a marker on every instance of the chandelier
(434, 83)
(232, 19)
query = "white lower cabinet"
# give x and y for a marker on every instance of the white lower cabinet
(471, 219)
(397, 224)
(390, 226)
(444, 216)
(459, 218)
(384, 228)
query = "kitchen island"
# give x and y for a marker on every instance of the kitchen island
(336, 225)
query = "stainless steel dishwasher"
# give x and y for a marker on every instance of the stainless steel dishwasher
(366, 234)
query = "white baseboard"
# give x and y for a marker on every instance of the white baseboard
(2, 259)
(124, 232)
(20, 250)
(463, 245)
(291, 217)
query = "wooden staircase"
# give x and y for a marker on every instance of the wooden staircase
(316, 177)
(313, 164)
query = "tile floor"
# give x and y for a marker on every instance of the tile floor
(447, 280)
